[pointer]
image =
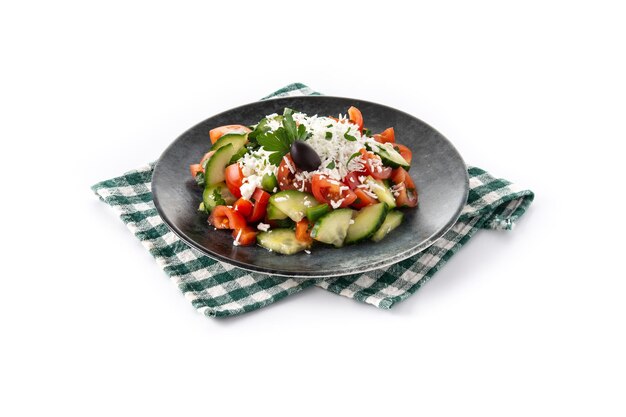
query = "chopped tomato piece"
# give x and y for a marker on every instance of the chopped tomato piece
(352, 179)
(374, 166)
(245, 236)
(195, 169)
(234, 179)
(243, 207)
(303, 231)
(404, 186)
(404, 152)
(387, 135)
(330, 191)
(286, 176)
(356, 117)
(223, 217)
(363, 199)
(261, 198)
(218, 132)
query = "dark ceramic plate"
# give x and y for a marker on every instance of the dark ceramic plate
(437, 168)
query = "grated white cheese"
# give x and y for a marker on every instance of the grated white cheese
(336, 204)
(264, 227)
(335, 151)
(254, 166)
(236, 241)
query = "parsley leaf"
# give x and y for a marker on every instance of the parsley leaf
(200, 179)
(331, 165)
(289, 124)
(217, 197)
(329, 135)
(258, 130)
(354, 155)
(330, 125)
(279, 141)
(367, 132)
(349, 137)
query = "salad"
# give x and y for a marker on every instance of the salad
(294, 179)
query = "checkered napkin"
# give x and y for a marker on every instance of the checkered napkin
(219, 289)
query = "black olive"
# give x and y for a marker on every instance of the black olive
(304, 156)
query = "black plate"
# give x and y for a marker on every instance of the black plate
(438, 170)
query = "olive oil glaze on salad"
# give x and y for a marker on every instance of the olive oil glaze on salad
(293, 179)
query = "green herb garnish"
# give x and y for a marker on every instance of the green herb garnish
(329, 135)
(349, 137)
(217, 197)
(331, 165)
(367, 132)
(354, 155)
(200, 179)
(279, 141)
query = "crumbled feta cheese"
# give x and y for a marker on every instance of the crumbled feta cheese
(336, 204)
(236, 241)
(264, 227)
(291, 168)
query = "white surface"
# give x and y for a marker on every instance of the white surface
(523, 323)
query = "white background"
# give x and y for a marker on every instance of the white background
(529, 322)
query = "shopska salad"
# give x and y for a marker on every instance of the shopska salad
(294, 179)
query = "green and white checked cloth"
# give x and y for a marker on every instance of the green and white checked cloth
(218, 289)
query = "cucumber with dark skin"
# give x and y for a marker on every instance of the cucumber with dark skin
(214, 172)
(366, 222)
(333, 227)
(392, 221)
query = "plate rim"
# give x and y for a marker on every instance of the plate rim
(313, 275)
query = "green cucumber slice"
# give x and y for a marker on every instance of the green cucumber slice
(367, 221)
(238, 155)
(282, 241)
(293, 203)
(215, 195)
(382, 192)
(333, 227)
(214, 172)
(273, 213)
(235, 139)
(314, 213)
(391, 157)
(393, 220)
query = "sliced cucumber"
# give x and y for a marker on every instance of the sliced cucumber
(273, 213)
(235, 139)
(393, 220)
(285, 223)
(215, 195)
(293, 203)
(333, 227)
(214, 172)
(237, 156)
(382, 192)
(282, 241)
(314, 213)
(391, 157)
(366, 222)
